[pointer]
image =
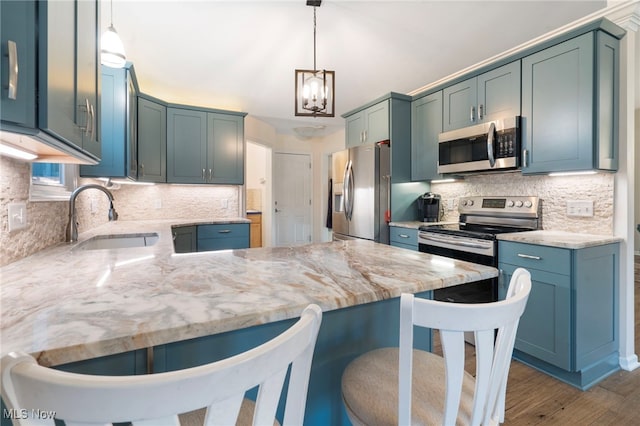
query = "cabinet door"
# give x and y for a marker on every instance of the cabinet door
(18, 19)
(114, 123)
(186, 146)
(87, 81)
(499, 93)
(184, 239)
(544, 329)
(460, 105)
(57, 108)
(557, 105)
(354, 130)
(426, 124)
(152, 141)
(225, 149)
(376, 120)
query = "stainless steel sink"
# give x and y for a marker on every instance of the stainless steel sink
(117, 241)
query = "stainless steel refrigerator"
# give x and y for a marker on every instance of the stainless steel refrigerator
(361, 187)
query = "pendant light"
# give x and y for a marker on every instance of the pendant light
(314, 89)
(112, 51)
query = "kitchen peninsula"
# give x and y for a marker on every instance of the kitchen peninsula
(65, 304)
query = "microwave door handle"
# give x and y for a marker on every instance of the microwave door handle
(490, 144)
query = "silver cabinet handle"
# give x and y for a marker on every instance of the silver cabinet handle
(13, 69)
(525, 153)
(403, 236)
(365, 136)
(210, 174)
(480, 111)
(528, 256)
(472, 114)
(142, 169)
(490, 149)
(87, 128)
(202, 174)
(224, 231)
(92, 114)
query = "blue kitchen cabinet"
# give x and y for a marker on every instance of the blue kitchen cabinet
(205, 146)
(223, 236)
(570, 106)
(18, 29)
(118, 117)
(569, 328)
(426, 125)
(225, 148)
(185, 239)
(151, 140)
(489, 96)
(186, 146)
(368, 126)
(68, 80)
(403, 237)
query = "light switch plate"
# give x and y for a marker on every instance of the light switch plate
(580, 208)
(17, 216)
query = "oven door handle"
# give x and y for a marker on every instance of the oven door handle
(455, 243)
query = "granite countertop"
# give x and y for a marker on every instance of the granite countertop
(560, 239)
(415, 224)
(66, 304)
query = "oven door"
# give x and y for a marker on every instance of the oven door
(473, 250)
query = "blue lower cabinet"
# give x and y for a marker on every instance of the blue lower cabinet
(569, 328)
(223, 236)
(403, 237)
(344, 335)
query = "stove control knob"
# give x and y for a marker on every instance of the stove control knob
(470, 203)
(464, 203)
(510, 203)
(528, 204)
(518, 203)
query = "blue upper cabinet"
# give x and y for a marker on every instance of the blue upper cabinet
(569, 106)
(204, 146)
(489, 96)
(68, 78)
(152, 140)
(117, 125)
(426, 124)
(18, 100)
(368, 126)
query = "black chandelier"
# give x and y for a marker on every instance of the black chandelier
(315, 89)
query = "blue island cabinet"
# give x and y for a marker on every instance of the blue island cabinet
(569, 328)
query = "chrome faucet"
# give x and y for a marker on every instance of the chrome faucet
(72, 226)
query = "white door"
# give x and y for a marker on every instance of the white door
(292, 198)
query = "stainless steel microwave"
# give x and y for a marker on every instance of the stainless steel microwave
(488, 146)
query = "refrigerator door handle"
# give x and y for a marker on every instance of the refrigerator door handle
(345, 190)
(351, 190)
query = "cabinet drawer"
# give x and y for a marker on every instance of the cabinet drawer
(413, 247)
(403, 236)
(208, 244)
(229, 230)
(532, 256)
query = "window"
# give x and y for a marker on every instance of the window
(52, 181)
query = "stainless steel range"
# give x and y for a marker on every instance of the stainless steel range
(473, 239)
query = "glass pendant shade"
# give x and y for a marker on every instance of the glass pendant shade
(112, 51)
(314, 93)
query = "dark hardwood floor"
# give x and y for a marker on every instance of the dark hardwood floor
(534, 398)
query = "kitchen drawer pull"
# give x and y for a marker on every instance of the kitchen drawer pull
(528, 256)
(403, 236)
(202, 174)
(472, 115)
(224, 231)
(13, 69)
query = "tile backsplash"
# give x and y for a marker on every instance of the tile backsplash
(554, 192)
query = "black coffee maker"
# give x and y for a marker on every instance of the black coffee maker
(429, 207)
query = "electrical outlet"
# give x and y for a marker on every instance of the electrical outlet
(17, 216)
(450, 204)
(580, 208)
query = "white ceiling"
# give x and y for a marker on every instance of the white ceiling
(241, 55)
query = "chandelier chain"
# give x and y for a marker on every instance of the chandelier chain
(314, 38)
